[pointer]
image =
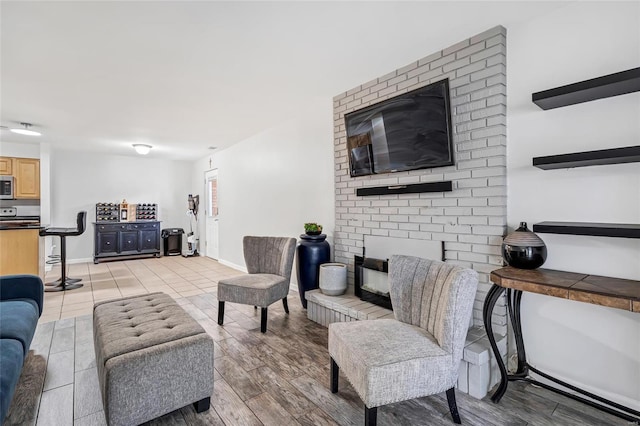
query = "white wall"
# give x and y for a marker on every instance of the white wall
(595, 347)
(79, 180)
(274, 182)
(20, 149)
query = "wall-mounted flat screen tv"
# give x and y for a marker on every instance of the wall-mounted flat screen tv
(407, 132)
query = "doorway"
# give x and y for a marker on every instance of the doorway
(211, 214)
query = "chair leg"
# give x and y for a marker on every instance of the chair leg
(286, 305)
(334, 376)
(453, 407)
(220, 313)
(370, 416)
(263, 320)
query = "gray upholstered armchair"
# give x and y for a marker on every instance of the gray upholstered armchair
(416, 354)
(269, 261)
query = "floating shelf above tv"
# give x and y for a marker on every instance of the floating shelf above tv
(444, 186)
(629, 154)
(620, 230)
(607, 86)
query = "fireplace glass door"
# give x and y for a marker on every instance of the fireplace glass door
(371, 281)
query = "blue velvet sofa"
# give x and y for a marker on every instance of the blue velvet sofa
(21, 298)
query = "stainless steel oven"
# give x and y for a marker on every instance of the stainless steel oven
(7, 187)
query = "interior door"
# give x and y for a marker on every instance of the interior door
(211, 213)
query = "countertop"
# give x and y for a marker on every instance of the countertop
(15, 226)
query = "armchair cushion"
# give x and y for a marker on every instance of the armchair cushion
(253, 289)
(18, 321)
(388, 361)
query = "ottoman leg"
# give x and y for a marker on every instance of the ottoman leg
(220, 312)
(202, 405)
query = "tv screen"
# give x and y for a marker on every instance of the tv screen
(408, 132)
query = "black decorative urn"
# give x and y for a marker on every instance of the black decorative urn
(524, 249)
(313, 251)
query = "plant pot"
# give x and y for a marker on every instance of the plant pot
(313, 232)
(333, 279)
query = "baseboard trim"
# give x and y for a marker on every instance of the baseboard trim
(233, 265)
(85, 260)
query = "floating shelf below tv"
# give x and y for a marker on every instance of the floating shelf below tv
(629, 154)
(607, 86)
(620, 230)
(414, 188)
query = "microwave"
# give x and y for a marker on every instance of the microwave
(7, 187)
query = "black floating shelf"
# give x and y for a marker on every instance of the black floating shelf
(629, 154)
(589, 90)
(620, 230)
(444, 186)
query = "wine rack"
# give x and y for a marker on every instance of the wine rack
(147, 211)
(107, 212)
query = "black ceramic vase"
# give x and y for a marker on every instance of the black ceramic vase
(313, 250)
(523, 249)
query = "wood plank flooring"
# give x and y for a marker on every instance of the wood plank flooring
(278, 378)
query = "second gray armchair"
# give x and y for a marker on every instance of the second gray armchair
(417, 353)
(269, 261)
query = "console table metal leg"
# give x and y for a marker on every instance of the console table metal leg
(489, 303)
(514, 297)
(513, 303)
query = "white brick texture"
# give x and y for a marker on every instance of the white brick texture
(471, 219)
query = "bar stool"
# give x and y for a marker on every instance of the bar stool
(54, 259)
(65, 283)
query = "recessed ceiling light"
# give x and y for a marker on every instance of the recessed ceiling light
(141, 148)
(213, 147)
(26, 130)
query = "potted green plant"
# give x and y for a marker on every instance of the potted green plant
(312, 229)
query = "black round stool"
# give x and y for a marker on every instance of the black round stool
(65, 283)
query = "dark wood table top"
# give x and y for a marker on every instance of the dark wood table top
(606, 291)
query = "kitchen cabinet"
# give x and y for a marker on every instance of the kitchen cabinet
(6, 166)
(27, 174)
(126, 240)
(21, 252)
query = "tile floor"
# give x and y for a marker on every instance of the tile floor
(176, 275)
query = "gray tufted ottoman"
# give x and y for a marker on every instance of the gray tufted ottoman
(152, 358)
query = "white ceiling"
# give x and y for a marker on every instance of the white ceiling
(184, 76)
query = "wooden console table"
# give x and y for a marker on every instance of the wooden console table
(611, 292)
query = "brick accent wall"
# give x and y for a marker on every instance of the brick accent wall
(471, 219)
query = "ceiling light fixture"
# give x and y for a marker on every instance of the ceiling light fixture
(141, 148)
(26, 130)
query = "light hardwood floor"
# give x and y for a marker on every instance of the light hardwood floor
(278, 378)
